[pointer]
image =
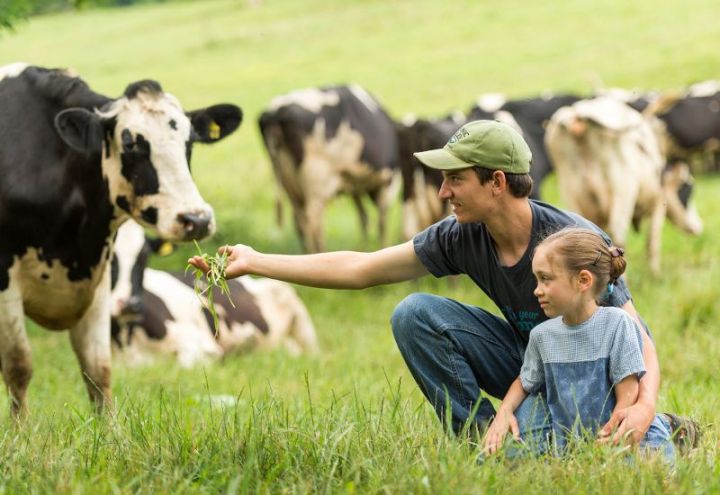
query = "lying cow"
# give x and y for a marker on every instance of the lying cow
(158, 313)
(327, 141)
(611, 170)
(74, 165)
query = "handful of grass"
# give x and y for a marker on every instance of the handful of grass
(215, 277)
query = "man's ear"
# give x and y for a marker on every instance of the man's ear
(499, 181)
(81, 129)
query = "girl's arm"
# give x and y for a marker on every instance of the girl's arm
(505, 419)
(626, 394)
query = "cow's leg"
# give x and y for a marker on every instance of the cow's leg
(90, 339)
(314, 212)
(362, 213)
(15, 355)
(655, 235)
(622, 206)
(383, 198)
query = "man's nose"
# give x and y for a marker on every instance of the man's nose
(443, 193)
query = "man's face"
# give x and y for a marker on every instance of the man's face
(556, 288)
(467, 197)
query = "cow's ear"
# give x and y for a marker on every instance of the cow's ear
(80, 129)
(160, 246)
(214, 123)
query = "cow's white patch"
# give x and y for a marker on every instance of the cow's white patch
(704, 88)
(12, 70)
(490, 102)
(312, 99)
(149, 115)
(129, 243)
(49, 296)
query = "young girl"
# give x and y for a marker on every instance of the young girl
(586, 360)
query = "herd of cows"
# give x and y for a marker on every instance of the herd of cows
(83, 175)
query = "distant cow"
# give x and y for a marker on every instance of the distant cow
(421, 205)
(691, 122)
(326, 141)
(74, 165)
(421, 184)
(611, 170)
(157, 313)
(529, 116)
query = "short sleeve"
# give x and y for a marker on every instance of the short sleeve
(435, 247)
(626, 351)
(532, 373)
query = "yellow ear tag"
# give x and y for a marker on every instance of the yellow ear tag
(213, 130)
(166, 248)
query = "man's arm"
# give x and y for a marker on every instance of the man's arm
(333, 270)
(640, 415)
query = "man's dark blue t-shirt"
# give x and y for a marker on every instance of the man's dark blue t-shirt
(451, 248)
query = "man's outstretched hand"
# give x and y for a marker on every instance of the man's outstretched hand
(238, 257)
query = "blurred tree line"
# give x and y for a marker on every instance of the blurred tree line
(12, 11)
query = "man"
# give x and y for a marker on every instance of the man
(453, 350)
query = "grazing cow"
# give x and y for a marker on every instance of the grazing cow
(611, 170)
(74, 165)
(690, 123)
(327, 141)
(529, 116)
(421, 184)
(158, 313)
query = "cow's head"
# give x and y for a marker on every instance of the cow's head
(677, 183)
(145, 140)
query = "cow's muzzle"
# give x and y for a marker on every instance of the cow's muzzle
(194, 226)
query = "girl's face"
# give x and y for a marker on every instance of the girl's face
(558, 291)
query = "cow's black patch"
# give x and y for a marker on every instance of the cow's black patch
(123, 203)
(155, 315)
(136, 165)
(145, 86)
(150, 215)
(245, 310)
(114, 271)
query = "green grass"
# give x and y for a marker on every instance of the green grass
(350, 419)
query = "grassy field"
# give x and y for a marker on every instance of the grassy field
(350, 420)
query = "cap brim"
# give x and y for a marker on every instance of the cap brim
(441, 159)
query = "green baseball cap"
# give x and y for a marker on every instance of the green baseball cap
(483, 143)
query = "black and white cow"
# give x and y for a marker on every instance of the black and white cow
(611, 169)
(421, 184)
(156, 313)
(690, 123)
(529, 116)
(326, 141)
(74, 165)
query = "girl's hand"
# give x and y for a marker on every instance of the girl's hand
(504, 421)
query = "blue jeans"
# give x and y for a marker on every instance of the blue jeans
(534, 421)
(456, 352)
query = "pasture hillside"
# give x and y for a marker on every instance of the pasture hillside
(351, 419)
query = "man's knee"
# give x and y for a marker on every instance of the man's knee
(406, 316)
